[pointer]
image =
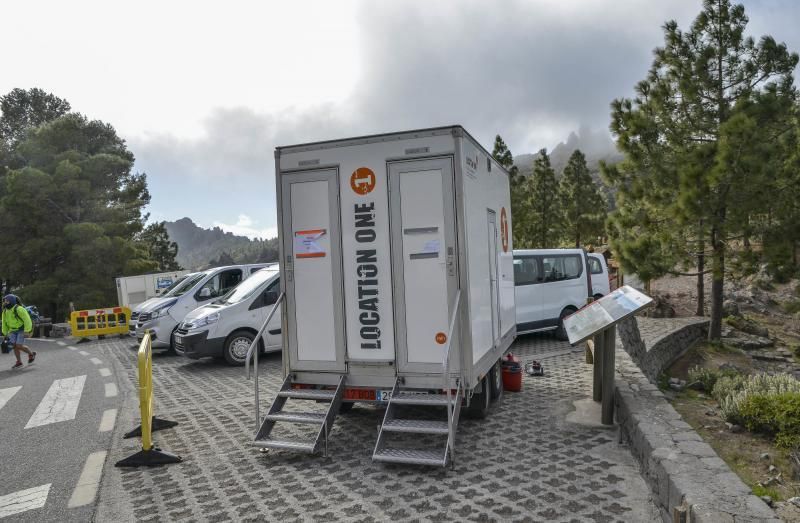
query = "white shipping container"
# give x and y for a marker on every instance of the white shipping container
(385, 241)
(133, 290)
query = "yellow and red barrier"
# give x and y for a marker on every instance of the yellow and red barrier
(100, 322)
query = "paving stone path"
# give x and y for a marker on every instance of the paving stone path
(523, 463)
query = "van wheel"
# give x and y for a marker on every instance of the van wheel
(496, 381)
(236, 347)
(479, 406)
(561, 332)
(597, 296)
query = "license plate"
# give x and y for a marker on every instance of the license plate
(360, 394)
(384, 395)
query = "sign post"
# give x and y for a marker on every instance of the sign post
(598, 320)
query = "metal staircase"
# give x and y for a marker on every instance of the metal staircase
(393, 424)
(324, 420)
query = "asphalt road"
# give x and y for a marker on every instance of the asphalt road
(51, 416)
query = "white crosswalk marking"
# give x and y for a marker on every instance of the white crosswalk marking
(60, 403)
(83, 353)
(104, 372)
(96, 361)
(111, 390)
(108, 420)
(72, 348)
(23, 500)
(61, 343)
(86, 490)
(7, 394)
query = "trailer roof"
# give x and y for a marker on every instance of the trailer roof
(384, 137)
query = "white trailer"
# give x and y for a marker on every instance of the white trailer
(133, 290)
(398, 284)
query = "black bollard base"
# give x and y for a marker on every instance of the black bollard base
(156, 424)
(149, 458)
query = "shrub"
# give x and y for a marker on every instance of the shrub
(708, 377)
(776, 414)
(762, 403)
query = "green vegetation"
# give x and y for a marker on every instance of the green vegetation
(548, 212)
(708, 377)
(762, 403)
(70, 206)
(711, 155)
(791, 307)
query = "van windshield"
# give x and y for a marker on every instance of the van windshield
(186, 285)
(174, 284)
(248, 287)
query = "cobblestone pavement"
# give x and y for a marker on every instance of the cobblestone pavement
(523, 463)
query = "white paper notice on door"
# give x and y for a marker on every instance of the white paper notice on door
(307, 243)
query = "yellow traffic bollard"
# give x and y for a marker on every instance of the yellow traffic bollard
(149, 455)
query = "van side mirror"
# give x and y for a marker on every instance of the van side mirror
(205, 293)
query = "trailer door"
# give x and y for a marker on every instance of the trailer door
(313, 267)
(424, 261)
(494, 289)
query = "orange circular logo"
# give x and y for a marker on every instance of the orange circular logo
(362, 181)
(504, 229)
(441, 338)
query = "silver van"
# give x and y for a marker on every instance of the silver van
(162, 316)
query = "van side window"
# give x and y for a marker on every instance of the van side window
(269, 296)
(594, 266)
(255, 269)
(219, 284)
(560, 268)
(526, 271)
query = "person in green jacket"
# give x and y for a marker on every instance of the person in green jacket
(16, 323)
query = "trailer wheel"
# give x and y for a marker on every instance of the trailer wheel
(496, 380)
(236, 346)
(479, 406)
(561, 332)
(346, 407)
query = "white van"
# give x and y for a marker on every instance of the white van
(162, 316)
(228, 326)
(598, 267)
(135, 311)
(549, 285)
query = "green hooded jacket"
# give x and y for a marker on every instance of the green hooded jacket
(12, 323)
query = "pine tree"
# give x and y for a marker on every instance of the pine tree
(546, 220)
(583, 204)
(156, 240)
(702, 128)
(520, 195)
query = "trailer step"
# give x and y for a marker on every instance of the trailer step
(298, 417)
(427, 400)
(295, 446)
(416, 426)
(308, 394)
(411, 456)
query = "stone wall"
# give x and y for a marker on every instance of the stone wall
(667, 340)
(683, 471)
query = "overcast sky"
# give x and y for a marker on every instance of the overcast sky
(204, 91)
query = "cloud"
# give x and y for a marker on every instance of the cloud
(531, 71)
(246, 226)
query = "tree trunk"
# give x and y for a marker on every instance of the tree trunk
(701, 284)
(718, 278)
(701, 266)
